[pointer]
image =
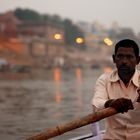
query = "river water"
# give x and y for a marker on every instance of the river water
(29, 106)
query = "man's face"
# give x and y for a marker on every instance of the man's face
(125, 60)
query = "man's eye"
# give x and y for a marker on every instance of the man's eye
(129, 56)
(120, 56)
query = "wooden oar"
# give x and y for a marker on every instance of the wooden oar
(60, 129)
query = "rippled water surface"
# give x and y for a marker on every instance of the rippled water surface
(30, 106)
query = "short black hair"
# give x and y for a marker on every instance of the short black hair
(128, 43)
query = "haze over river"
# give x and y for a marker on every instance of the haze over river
(29, 106)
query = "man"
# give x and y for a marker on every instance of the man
(120, 90)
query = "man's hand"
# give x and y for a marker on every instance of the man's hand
(121, 104)
(138, 100)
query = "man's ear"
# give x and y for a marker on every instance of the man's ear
(113, 57)
(138, 60)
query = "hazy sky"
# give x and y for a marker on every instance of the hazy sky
(125, 12)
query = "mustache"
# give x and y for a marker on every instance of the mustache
(124, 67)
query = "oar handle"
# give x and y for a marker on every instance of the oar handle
(60, 129)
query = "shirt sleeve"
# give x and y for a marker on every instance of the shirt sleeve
(100, 92)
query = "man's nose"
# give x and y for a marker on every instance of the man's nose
(124, 60)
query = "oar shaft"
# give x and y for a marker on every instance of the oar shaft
(60, 129)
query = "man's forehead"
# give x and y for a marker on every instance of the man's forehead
(125, 50)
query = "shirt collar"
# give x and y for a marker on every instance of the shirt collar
(114, 77)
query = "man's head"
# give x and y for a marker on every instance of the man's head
(126, 56)
(127, 43)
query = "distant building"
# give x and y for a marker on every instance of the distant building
(40, 40)
(10, 45)
(8, 24)
(95, 34)
(47, 39)
(42, 29)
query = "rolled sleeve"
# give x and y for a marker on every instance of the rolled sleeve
(100, 93)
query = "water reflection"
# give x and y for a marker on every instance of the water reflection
(28, 106)
(107, 69)
(57, 81)
(78, 87)
(78, 74)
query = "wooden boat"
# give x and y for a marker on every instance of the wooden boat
(96, 134)
(89, 137)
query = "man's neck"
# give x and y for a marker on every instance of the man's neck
(126, 77)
